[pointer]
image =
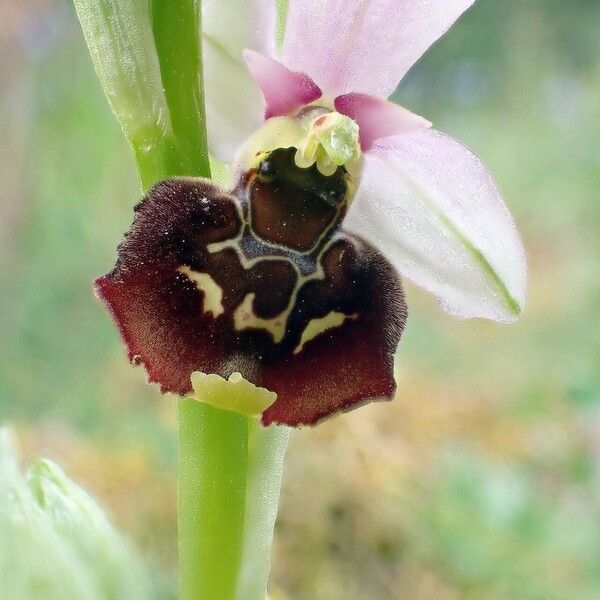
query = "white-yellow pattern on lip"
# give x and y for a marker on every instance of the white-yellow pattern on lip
(244, 317)
(213, 294)
(320, 325)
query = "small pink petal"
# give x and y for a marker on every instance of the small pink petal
(363, 45)
(378, 118)
(284, 90)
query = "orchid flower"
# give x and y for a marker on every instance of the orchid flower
(264, 284)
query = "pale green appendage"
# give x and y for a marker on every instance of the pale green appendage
(328, 140)
(149, 64)
(236, 393)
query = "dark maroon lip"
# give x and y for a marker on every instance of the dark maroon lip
(264, 281)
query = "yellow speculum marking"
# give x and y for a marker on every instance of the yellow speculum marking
(213, 294)
(320, 325)
(244, 317)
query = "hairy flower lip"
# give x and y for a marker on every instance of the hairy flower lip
(264, 281)
(319, 328)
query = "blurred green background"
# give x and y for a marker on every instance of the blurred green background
(482, 479)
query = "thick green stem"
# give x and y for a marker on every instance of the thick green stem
(230, 470)
(176, 25)
(213, 455)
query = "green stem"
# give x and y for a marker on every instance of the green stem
(176, 25)
(230, 470)
(213, 454)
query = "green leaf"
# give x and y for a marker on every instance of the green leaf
(121, 43)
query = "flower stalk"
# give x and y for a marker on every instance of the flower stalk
(176, 25)
(230, 470)
(213, 459)
(150, 66)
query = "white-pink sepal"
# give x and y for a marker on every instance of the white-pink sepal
(432, 207)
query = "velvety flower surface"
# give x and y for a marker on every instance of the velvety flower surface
(261, 281)
(425, 200)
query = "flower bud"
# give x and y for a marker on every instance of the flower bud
(56, 542)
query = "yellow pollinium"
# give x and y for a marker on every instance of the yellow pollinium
(331, 141)
(236, 393)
